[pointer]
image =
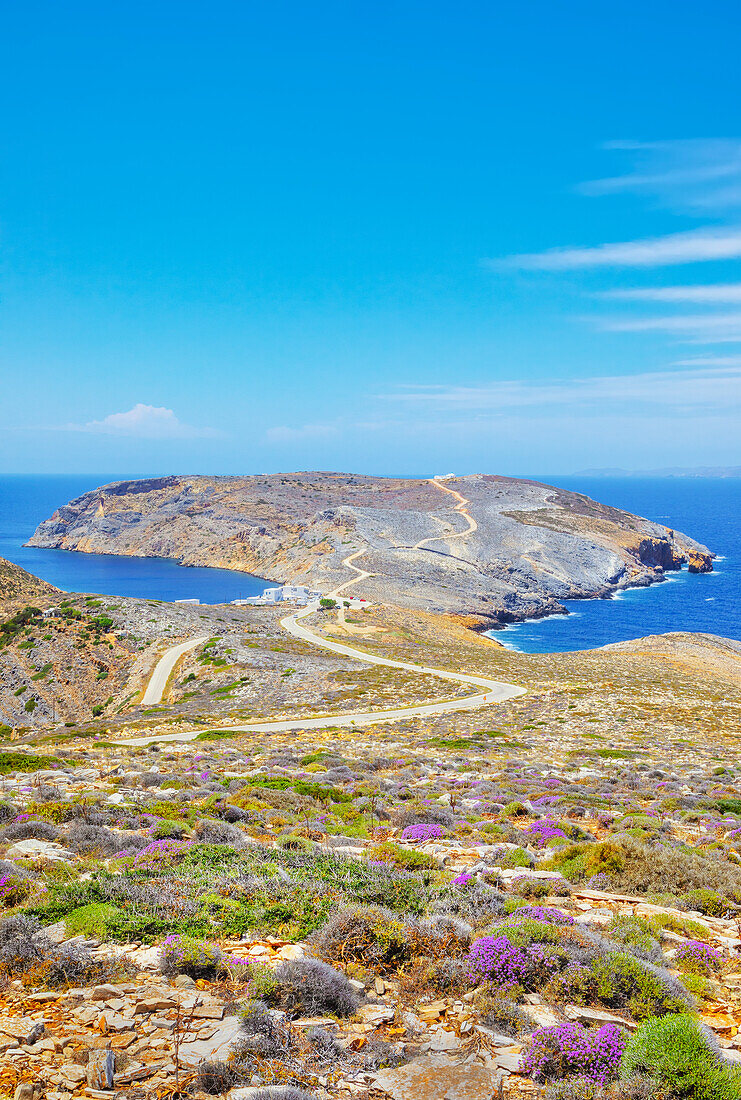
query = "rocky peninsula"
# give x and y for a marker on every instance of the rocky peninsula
(514, 550)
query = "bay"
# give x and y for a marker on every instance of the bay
(26, 500)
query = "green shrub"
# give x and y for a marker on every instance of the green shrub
(91, 920)
(514, 857)
(11, 762)
(709, 902)
(674, 1052)
(636, 934)
(625, 981)
(406, 858)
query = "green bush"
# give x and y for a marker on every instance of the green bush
(625, 981)
(91, 920)
(406, 858)
(674, 1052)
(11, 762)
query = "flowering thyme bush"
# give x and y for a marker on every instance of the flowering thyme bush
(546, 913)
(422, 832)
(544, 830)
(13, 889)
(698, 957)
(497, 959)
(186, 955)
(570, 1049)
(160, 853)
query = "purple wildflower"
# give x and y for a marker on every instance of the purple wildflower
(569, 1049)
(421, 833)
(497, 959)
(698, 957)
(546, 913)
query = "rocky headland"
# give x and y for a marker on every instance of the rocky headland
(512, 550)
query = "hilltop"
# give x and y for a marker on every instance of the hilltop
(19, 588)
(495, 548)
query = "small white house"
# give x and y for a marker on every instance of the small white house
(287, 593)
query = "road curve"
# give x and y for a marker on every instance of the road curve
(163, 668)
(495, 691)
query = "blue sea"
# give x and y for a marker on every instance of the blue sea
(708, 509)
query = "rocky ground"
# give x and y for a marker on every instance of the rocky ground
(526, 546)
(87, 666)
(535, 899)
(18, 588)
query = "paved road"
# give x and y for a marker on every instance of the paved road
(495, 691)
(163, 668)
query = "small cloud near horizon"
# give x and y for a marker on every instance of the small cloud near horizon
(143, 422)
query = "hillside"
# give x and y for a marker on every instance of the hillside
(494, 547)
(19, 588)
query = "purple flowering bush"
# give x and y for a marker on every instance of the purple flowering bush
(571, 1049)
(422, 832)
(498, 959)
(698, 958)
(13, 889)
(545, 830)
(547, 913)
(160, 853)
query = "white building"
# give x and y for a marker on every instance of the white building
(286, 593)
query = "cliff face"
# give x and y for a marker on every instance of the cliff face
(19, 589)
(529, 546)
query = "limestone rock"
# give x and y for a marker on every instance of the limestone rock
(100, 1069)
(439, 1077)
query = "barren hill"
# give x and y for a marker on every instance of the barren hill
(19, 588)
(525, 547)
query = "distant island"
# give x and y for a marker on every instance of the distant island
(497, 549)
(666, 471)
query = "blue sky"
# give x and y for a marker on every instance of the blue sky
(389, 237)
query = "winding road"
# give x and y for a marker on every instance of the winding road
(494, 691)
(163, 668)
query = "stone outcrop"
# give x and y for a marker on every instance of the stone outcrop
(699, 562)
(533, 545)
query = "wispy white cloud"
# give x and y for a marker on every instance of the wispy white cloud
(692, 175)
(706, 328)
(709, 361)
(143, 422)
(716, 294)
(716, 387)
(676, 248)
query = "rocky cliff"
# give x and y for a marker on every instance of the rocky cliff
(526, 546)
